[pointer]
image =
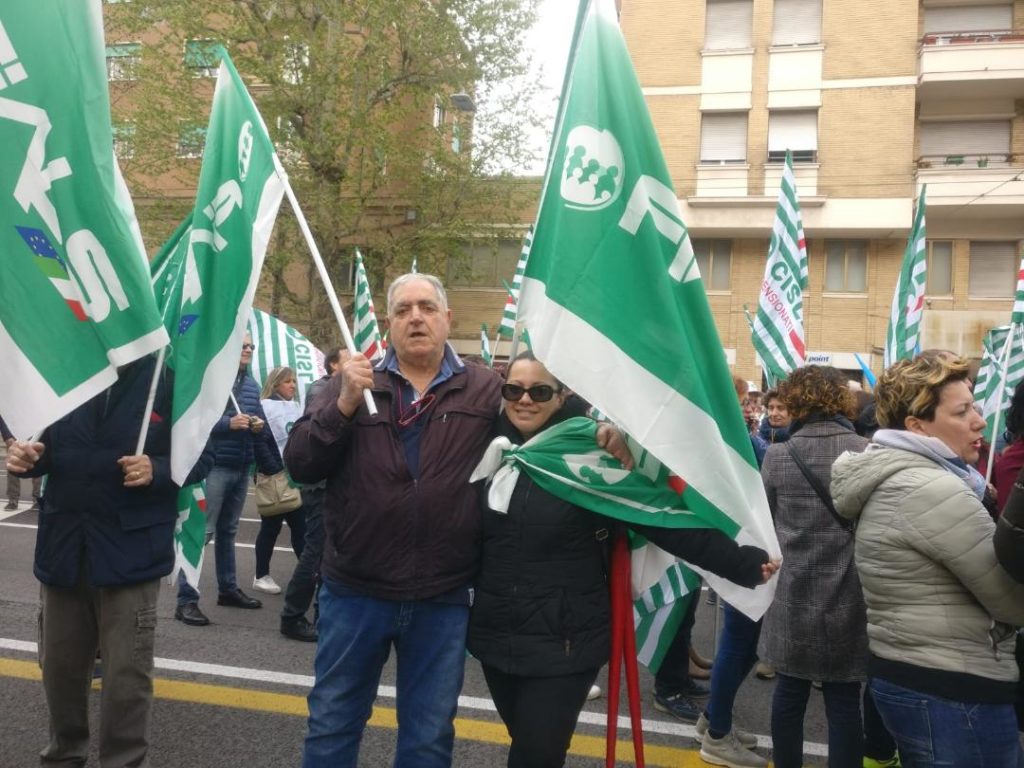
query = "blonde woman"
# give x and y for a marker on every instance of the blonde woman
(941, 611)
(282, 410)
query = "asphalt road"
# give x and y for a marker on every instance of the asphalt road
(233, 693)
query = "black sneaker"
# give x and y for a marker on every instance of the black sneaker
(696, 690)
(678, 706)
(11, 506)
(299, 629)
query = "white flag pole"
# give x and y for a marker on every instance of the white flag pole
(346, 334)
(1004, 365)
(234, 402)
(144, 432)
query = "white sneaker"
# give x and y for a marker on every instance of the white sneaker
(746, 739)
(594, 693)
(729, 752)
(266, 584)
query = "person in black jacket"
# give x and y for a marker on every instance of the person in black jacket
(106, 536)
(1009, 536)
(540, 621)
(238, 440)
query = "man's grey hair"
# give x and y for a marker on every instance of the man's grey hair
(411, 277)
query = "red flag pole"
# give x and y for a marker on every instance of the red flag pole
(615, 659)
(632, 672)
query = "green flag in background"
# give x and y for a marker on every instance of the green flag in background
(903, 336)
(190, 534)
(485, 347)
(75, 300)
(279, 344)
(615, 304)
(508, 316)
(365, 331)
(206, 275)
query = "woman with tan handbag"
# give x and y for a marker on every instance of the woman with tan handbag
(277, 498)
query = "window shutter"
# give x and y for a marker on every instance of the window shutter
(796, 131)
(728, 24)
(976, 18)
(966, 137)
(796, 22)
(723, 137)
(993, 269)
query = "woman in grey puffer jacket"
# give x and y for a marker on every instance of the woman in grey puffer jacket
(941, 610)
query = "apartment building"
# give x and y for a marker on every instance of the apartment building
(874, 98)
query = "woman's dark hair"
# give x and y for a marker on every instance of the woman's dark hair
(1015, 416)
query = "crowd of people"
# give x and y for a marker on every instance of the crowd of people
(899, 593)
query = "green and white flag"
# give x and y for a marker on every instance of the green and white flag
(190, 534)
(75, 300)
(366, 332)
(279, 344)
(662, 589)
(206, 275)
(778, 333)
(992, 388)
(485, 346)
(903, 337)
(614, 301)
(508, 317)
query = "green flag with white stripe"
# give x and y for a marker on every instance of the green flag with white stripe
(614, 301)
(508, 317)
(902, 338)
(75, 299)
(279, 344)
(365, 331)
(992, 389)
(778, 332)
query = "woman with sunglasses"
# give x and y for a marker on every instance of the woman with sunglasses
(540, 622)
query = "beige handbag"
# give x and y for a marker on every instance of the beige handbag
(275, 495)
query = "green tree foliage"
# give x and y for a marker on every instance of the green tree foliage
(358, 96)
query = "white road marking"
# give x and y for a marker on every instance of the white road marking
(33, 527)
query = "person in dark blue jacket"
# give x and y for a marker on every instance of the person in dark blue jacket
(238, 439)
(106, 536)
(775, 428)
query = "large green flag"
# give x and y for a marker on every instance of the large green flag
(75, 300)
(206, 275)
(903, 336)
(279, 344)
(614, 301)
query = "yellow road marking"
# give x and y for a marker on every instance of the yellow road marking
(382, 717)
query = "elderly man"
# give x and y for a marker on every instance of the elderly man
(402, 530)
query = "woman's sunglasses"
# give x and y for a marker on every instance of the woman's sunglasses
(539, 393)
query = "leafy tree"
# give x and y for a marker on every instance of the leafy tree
(358, 96)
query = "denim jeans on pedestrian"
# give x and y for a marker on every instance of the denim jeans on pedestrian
(226, 488)
(302, 586)
(356, 636)
(842, 710)
(736, 656)
(933, 731)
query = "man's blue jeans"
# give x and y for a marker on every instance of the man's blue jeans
(736, 656)
(356, 635)
(932, 731)
(225, 497)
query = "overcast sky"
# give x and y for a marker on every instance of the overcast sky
(549, 41)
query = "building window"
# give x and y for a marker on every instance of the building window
(714, 260)
(793, 130)
(456, 138)
(123, 61)
(124, 141)
(993, 270)
(296, 62)
(948, 21)
(796, 22)
(970, 143)
(202, 58)
(484, 264)
(728, 24)
(939, 268)
(191, 140)
(439, 113)
(846, 266)
(723, 137)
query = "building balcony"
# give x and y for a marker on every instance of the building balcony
(722, 179)
(973, 195)
(971, 65)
